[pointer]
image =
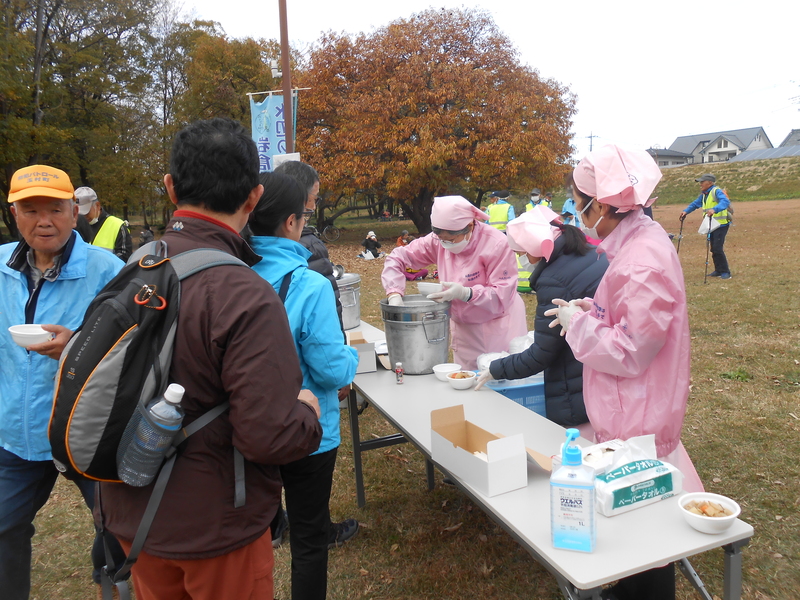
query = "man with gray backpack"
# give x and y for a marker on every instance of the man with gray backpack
(232, 345)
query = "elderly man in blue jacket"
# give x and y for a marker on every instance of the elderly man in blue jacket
(49, 278)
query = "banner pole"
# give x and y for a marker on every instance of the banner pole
(287, 79)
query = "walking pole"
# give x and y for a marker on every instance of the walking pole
(680, 235)
(708, 249)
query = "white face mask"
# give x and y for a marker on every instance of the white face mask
(93, 221)
(589, 231)
(525, 263)
(456, 247)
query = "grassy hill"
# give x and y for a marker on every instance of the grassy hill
(775, 179)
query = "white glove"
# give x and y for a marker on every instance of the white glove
(564, 312)
(483, 378)
(454, 291)
(395, 299)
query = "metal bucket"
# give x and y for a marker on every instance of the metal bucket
(417, 333)
(350, 297)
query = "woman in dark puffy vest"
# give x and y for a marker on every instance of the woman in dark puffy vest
(564, 265)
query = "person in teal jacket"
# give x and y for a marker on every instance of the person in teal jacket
(49, 278)
(327, 364)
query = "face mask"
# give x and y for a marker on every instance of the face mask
(589, 231)
(93, 221)
(524, 263)
(456, 247)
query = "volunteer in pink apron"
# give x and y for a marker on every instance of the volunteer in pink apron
(633, 336)
(479, 273)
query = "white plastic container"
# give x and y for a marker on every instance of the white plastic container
(572, 501)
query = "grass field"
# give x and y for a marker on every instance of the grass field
(742, 430)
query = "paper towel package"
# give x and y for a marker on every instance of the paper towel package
(633, 477)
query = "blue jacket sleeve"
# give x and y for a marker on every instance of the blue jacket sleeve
(722, 201)
(694, 205)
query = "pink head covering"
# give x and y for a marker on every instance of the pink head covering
(618, 177)
(454, 213)
(532, 233)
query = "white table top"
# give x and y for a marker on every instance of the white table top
(628, 543)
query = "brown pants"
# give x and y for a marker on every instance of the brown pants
(244, 574)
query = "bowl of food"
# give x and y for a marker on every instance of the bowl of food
(442, 370)
(28, 335)
(707, 512)
(461, 380)
(426, 288)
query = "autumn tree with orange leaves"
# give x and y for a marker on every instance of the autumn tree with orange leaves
(431, 105)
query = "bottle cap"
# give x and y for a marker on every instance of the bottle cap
(571, 455)
(398, 365)
(174, 393)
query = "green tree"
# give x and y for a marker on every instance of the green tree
(434, 104)
(220, 74)
(85, 65)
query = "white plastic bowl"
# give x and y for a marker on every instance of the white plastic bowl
(28, 335)
(709, 524)
(426, 288)
(461, 384)
(441, 370)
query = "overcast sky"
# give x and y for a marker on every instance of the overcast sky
(644, 72)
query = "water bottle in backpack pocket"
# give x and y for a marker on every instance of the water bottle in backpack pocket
(148, 436)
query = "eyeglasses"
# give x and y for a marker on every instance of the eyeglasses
(446, 235)
(307, 214)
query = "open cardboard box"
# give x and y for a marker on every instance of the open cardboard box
(454, 440)
(366, 352)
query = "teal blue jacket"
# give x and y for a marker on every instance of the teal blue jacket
(327, 363)
(27, 378)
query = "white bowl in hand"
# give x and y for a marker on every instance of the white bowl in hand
(461, 380)
(426, 288)
(442, 370)
(28, 335)
(708, 524)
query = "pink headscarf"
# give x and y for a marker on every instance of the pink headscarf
(532, 233)
(454, 213)
(618, 177)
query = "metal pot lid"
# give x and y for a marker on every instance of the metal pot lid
(348, 279)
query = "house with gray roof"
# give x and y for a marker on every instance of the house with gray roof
(793, 139)
(666, 158)
(721, 145)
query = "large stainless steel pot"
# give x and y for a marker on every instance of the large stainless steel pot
(350, 297)
(417, 333)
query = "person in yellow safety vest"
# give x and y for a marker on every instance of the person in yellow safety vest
(547, 201)
(500, 211)
(535, 199)
(523, 278)
(108, 231)
(714, 203)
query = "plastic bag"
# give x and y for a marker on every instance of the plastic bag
(484, 360)
(708, 225)
(521, 343)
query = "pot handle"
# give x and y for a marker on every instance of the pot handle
(429, 317)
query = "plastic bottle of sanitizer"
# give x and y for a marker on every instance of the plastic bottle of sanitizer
(572, 501)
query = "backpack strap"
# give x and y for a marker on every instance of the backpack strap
(158, 493)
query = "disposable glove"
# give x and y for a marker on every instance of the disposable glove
(454, 291)
(395, 300)
(564, 311)
(483, 378)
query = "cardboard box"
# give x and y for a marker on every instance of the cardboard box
(454, 440)
(366, 352)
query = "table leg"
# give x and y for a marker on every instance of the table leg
(355, 434)
(572, 593)
(733, 569)
(688, 570)
(429, 474)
